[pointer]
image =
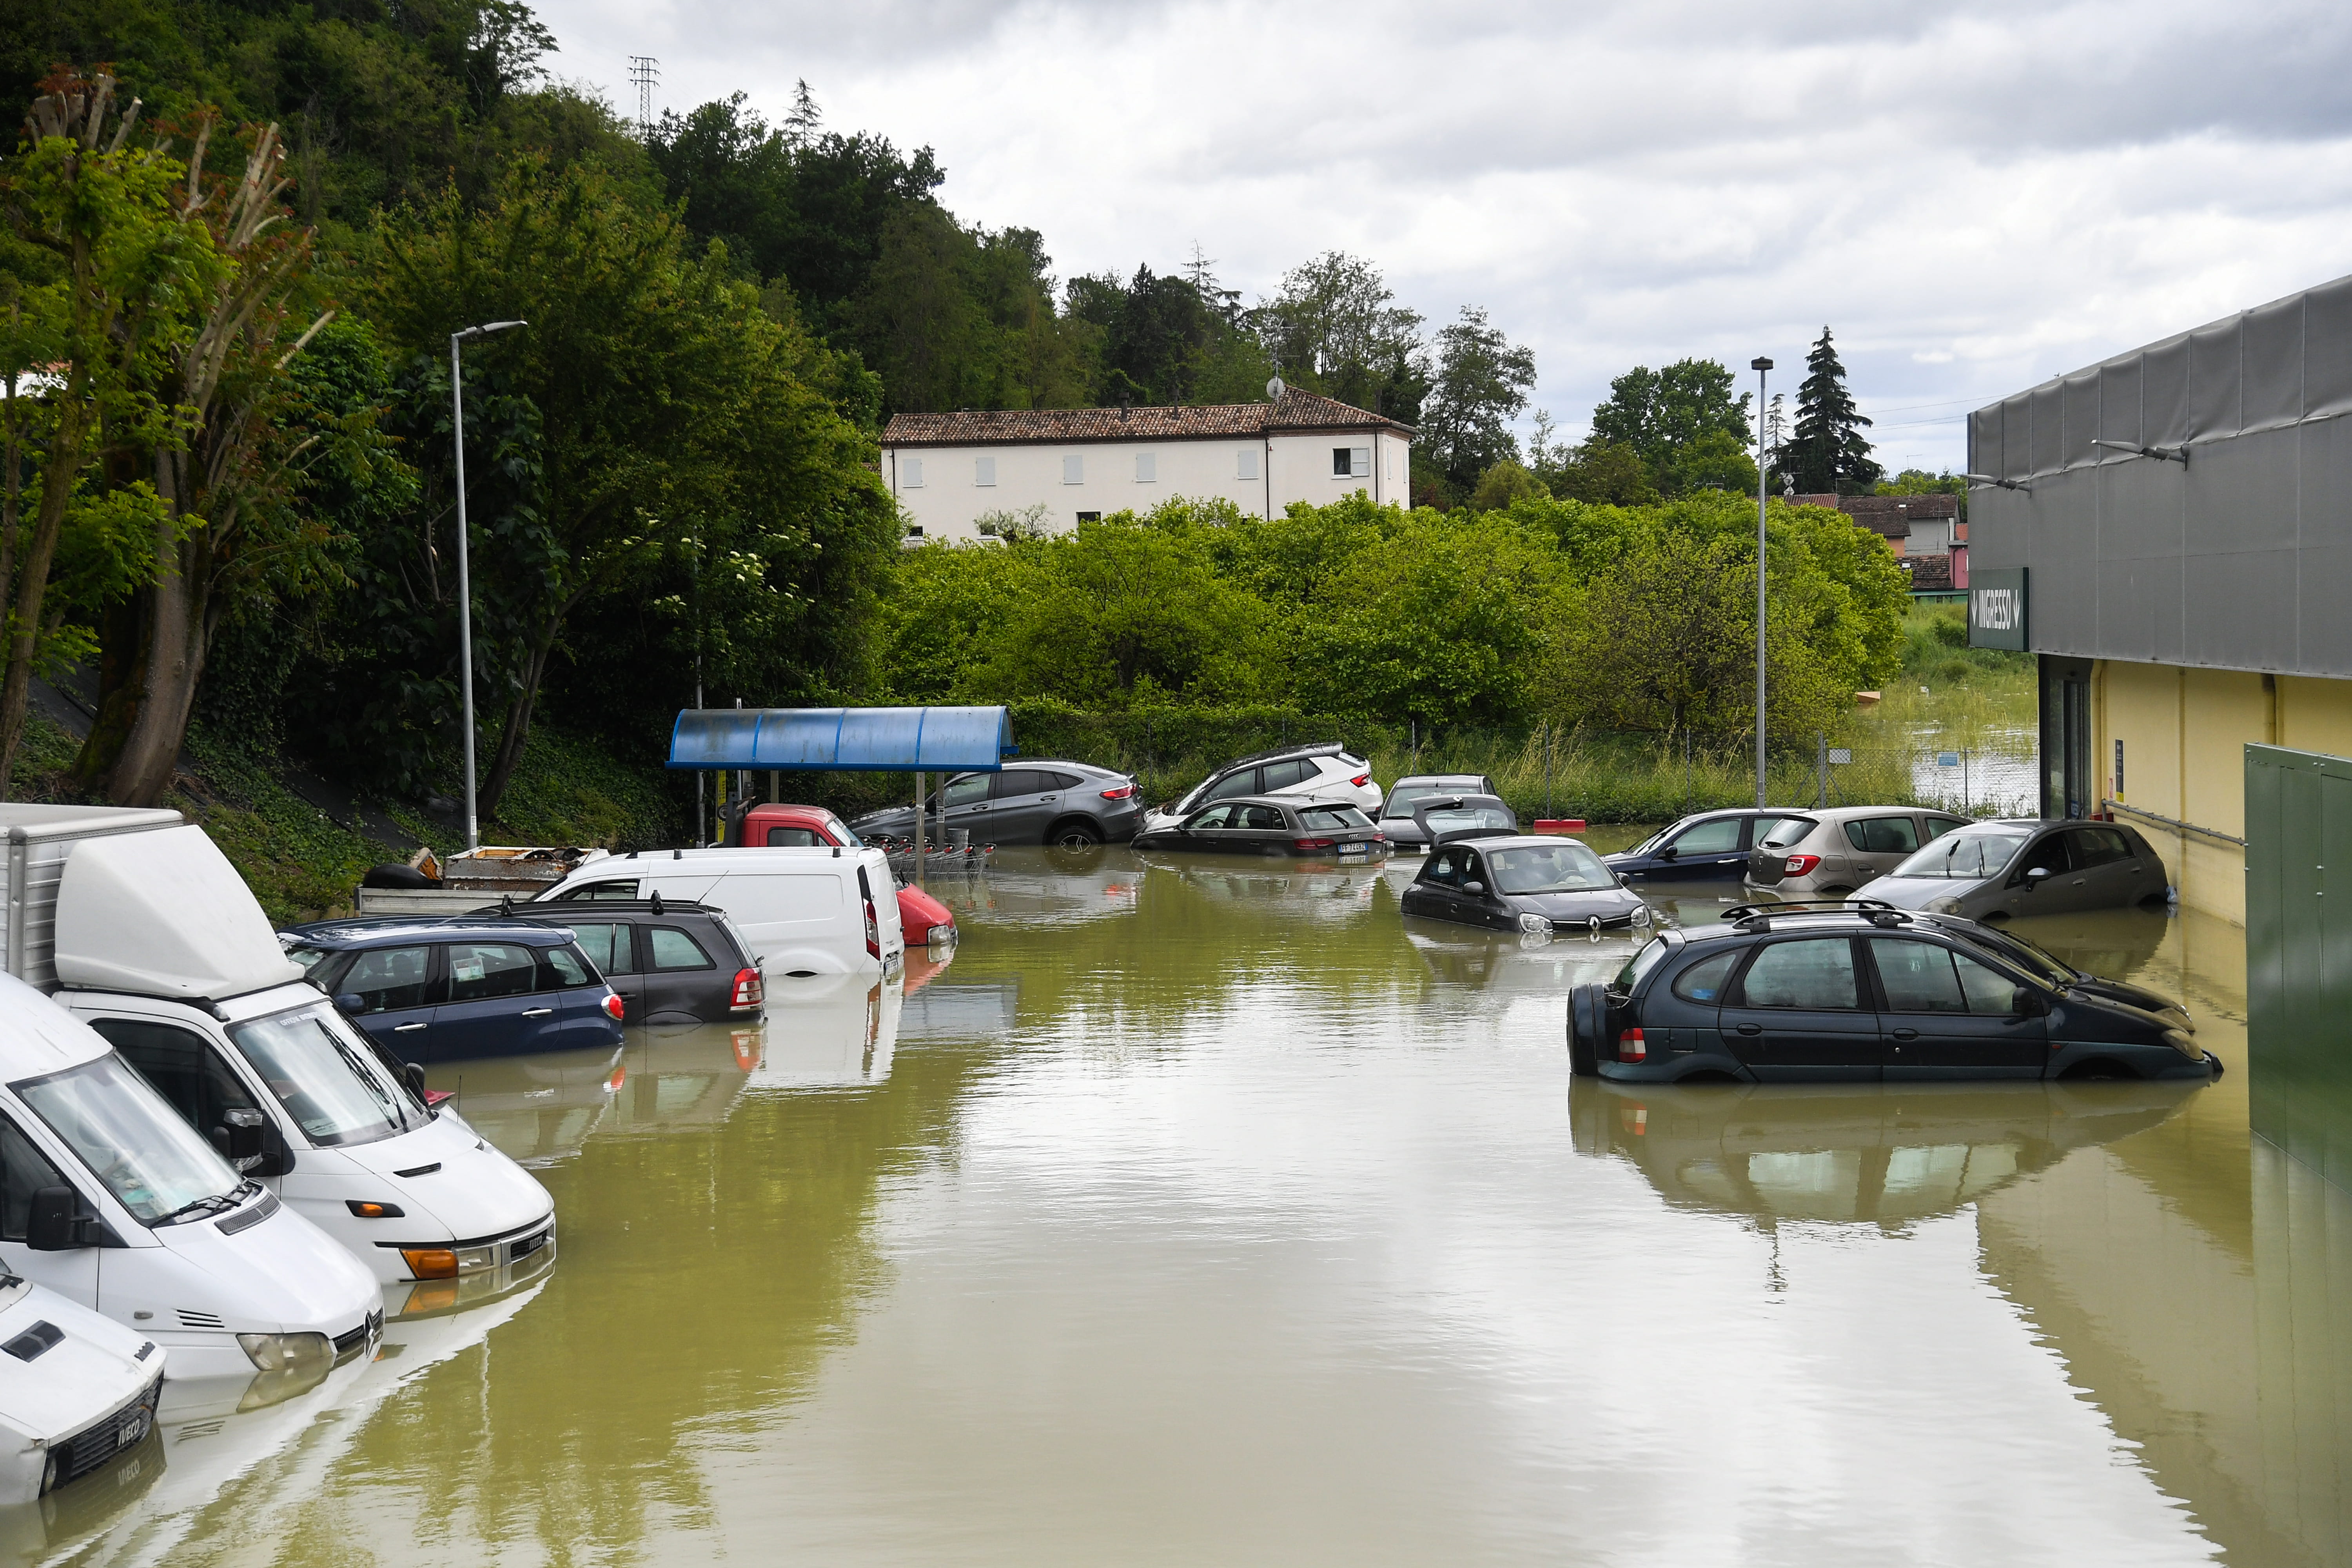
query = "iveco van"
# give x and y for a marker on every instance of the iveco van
(801, 912)
(158, 945)
(113, 1200)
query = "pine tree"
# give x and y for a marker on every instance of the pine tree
(1830, 451)
(801, 125)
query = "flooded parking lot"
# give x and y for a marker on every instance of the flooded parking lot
(1201, 1211)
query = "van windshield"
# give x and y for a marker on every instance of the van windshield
(134, 1142)
(329, 1081)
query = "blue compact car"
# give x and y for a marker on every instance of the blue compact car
(1697, 849)
(437, 989)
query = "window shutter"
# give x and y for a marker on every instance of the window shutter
(1246, 463)
(983, 472)
(1360, 462)
(1074, 470)
(910, 473)
(1146, 467)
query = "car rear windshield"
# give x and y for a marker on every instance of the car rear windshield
(1549, 869)
(1963, 854)
(1328, 818)
(1639, 965)
(1461, 819)
(1781, 834)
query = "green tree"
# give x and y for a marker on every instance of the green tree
(1333, 327)
(1504, 484)
(1683, 421)
(1606, 471)
(1829, 452)
(1483, 380)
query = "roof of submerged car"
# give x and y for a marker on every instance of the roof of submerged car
(383, 930)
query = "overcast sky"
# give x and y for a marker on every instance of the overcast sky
(1974, 197)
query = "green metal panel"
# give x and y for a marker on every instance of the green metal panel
(2299, 954)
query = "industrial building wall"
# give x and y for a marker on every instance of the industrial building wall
(2299, 954)
(2183, 733)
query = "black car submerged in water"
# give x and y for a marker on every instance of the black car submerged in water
(1861, 992)
(1506, 881)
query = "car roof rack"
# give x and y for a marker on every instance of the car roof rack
(1759, 917)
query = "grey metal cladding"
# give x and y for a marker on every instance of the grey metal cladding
(2237, 559)
(2119, 381)
(2273, 341)
(2017, 437)
(2216, 372)
(2327, 350)
(2049, 427)
(2081, 392)
(2164, 392)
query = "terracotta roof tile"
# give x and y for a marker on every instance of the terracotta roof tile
(1297, 413)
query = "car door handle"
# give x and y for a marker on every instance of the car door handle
(1751, 1028)
(403, 1028)
(537, 1011)
(1906, 1033)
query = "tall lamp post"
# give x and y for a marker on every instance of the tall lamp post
(464, 579)
(1762, 367)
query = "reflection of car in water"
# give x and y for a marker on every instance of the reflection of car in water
(684, 1075)
(1881, 1154)
(829, 1031)
(1303, 890)
(537, 1110)
(1038, 887)
(1550, 965)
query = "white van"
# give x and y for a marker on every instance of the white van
(822, 910)
(94, 1165)
(84, 1389)
(156, 943)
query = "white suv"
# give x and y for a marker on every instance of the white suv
(1833, 851)
(1317, 773)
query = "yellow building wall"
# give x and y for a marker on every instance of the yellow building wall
(2185, 733)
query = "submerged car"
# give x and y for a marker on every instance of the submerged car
(1511, 881)
(1396, 812)
(1443, 816)
(1072, 805)
(1862, 993)
(1271, 825)
(1327, 771)
(1835, 850)
(1698, 847)
(1993, 870)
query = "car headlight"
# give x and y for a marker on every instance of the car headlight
(1947, 905)
(1531, 924)
(1640, 915)
(286, 1353)
(447, 1262)
(2183, 1044)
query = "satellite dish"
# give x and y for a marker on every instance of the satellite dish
(1273, 390)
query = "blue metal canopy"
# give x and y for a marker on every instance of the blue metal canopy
(849, 740)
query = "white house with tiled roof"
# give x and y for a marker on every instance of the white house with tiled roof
(947, 470)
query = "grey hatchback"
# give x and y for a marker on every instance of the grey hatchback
(1273, 825)
(1992, 870)
(1071, 805)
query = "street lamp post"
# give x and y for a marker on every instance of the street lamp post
(1761, 366)
(465, 580)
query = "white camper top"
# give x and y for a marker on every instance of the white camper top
(39, 838)
(163, 914)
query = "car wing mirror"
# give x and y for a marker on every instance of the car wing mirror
(2036, 875)
(1474, 888)
(54, 1221)
(350, 1003)
(1667, 853)
(2029, 1002)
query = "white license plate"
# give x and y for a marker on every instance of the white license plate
(1355, 848)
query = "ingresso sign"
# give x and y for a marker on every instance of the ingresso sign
(1996, 608)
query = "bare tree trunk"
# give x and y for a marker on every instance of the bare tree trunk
(57, 478)
(175, 642)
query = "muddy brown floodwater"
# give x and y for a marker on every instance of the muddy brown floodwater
(1202, 1212)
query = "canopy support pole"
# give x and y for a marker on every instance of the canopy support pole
(918, 828)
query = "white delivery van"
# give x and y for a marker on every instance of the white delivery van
(151, 938)
(95, 1165)
(78, 1390)
(822, 910)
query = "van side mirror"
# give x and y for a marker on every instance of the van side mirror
(53, 1222)
(239, 1137)
(350, 1003)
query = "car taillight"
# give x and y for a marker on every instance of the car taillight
(873, 932)
(1360, 780)
(1631, 1046)
(614, 1008)
(1800, 865)
(1121, 793)
(749, 990)
(1313, 843)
